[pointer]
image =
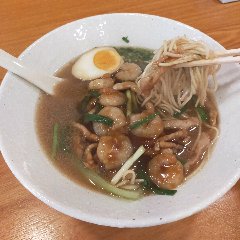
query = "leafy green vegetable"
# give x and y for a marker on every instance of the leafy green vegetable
(140, 56)
(88, 117)
(200, 109)
(202, 113)
(65, 138)
(135, 54)
(101, 183)
(55, 142)
(142, 121)
(149, 185)
(125, 39)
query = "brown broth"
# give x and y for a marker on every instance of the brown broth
(62, 109)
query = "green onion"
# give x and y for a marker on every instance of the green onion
(84, 103)
(125, 39)
(190, 103)
(149, 185)
(88, 117)
(143, 121)
(202, 113)
(182, 110)
(65, 138)
(129, 102)
(55, 140)
(200, 109)
(182, 161)
(94, 93)
(103, 184)
(140, 151)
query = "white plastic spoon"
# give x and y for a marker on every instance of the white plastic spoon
(34, 76)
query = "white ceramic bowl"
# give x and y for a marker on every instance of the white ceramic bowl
(24, 156)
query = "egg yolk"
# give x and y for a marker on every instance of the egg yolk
(105, 60)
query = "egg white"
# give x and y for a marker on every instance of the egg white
(85, 69)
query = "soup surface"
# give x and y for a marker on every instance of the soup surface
(183, 142)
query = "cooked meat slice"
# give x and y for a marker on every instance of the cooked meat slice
(181, 124)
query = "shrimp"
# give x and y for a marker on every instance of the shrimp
(127, 85)
(128, 72)
(118, 117)
(151, 129)
(166, 171)
(111, 97)
(149, 107)
(114, 150)
(101, 83)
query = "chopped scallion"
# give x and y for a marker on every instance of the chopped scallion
(84, 103)
(125, 39)
(143, 121)
(188, 105)
(202, 113)
(182, 110)
(94, 93)
(103, 184)
(149, 185)
(55, 140)
(128, 164)
(88, 117)
(65, 138)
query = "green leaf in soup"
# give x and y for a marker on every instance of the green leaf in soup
(140, 56)
(88, 117)
(65, 139)
(143, 121)
(84, 103)
(106, 186)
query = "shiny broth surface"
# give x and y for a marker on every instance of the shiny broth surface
(63, 109)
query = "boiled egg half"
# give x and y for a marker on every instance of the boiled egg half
(97, 62)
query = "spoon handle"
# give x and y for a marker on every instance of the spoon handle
(34, 76)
